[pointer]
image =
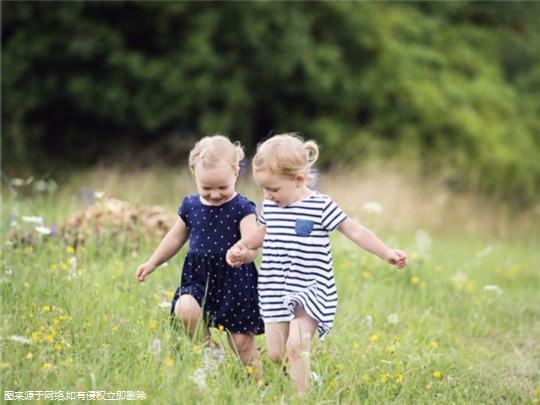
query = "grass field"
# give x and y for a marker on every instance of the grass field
(460, 325)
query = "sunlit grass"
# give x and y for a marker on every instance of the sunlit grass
(460, 324)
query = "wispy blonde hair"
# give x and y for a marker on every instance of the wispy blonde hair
(211, 150)
(287, 155)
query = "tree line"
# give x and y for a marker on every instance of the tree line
(453, 85)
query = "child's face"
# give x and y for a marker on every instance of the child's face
(282, 190)
(216, 185)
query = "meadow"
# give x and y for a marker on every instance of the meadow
(461, 324)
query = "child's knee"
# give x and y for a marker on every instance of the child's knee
(299, 345)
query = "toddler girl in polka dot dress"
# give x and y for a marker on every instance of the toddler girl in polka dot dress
(213, 220)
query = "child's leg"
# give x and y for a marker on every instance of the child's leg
(187, 309)
(243, 344)
(301, 331)
(276, 335)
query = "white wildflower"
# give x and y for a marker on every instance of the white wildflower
(43, 230)
(99, 195)
(393, 319)
(157, 348)
(373, 207)
(199, 378)
(164, 304)
(495, 288)
(21, 339)
(35, 220)
(369, 322)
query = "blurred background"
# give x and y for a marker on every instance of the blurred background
(444, 90)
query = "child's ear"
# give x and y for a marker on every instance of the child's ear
(300, 180)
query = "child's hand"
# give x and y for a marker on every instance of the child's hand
(236, 255)
(144, 270)
(397, 258)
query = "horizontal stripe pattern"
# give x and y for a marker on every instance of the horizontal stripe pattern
(296, 265)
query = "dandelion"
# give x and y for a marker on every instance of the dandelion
(384, 377)
(46, 366)
(437, 374)
(153, 324)
(369, 322)
(391, 349)
(29, 356)
(374, 338)
(415, 280)
(115, 329)
(20, 339)
(373, 207)
(339, 367)
(53, 266)
(70, 250)
(399, 378)
(393, 319)
(47, 308)
(365, 274)
(433, 345)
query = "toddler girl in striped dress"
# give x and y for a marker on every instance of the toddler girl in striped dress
(297, 292)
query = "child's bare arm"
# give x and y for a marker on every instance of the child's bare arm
(168, 247)
(247, 248)
(367, 240)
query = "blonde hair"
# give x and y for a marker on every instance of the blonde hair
(287, 155)
(211, 150)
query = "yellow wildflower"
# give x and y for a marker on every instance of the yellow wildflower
(399, 378)
(339, 367)
(115, 328)
(434, 345)
(365, 274)
(365, 377)
(169, 362)
(46, 366)
(415, 279)
(437, 374)
(70, 249)
(391, 349)
(153, 324)
(374, 338)
(4, 364)
(384, 377)
(29, 356)
(26, 285)
(54, 266)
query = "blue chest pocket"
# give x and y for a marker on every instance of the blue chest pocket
(303, 227)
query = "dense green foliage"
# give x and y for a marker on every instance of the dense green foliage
(453, 85)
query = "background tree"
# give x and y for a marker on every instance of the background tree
(454, 85)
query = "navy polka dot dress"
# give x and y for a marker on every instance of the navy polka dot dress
(227, 295)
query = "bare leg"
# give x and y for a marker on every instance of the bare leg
(276, 335)
(187, 309)
(302, 329)
(243, 344)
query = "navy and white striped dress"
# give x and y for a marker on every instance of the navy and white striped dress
(297, 261)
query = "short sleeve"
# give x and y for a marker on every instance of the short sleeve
(262, 219)
(247, 207)
(183, 210)
(332, 216)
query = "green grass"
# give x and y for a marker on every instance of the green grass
(95, 329)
